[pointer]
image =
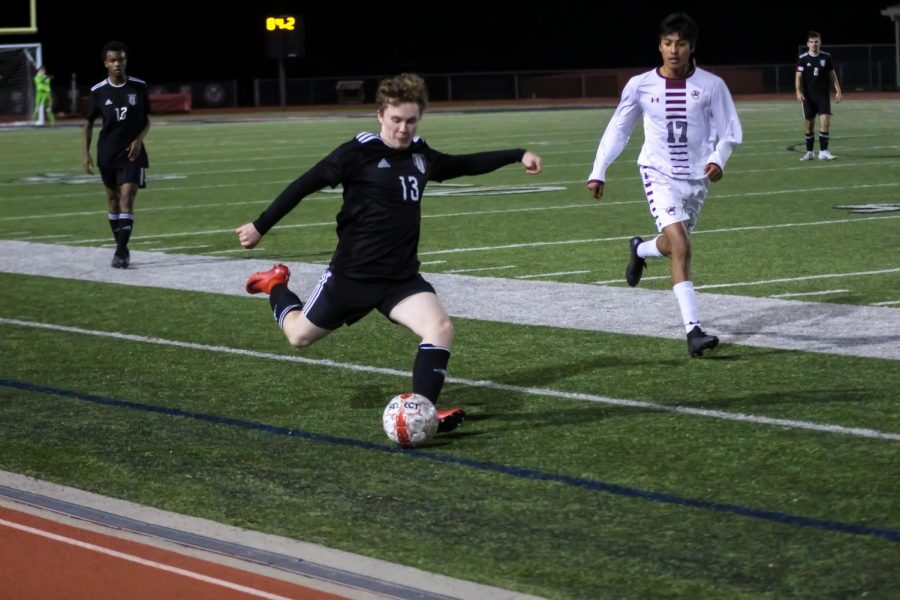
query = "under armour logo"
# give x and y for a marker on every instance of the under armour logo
(654, 99)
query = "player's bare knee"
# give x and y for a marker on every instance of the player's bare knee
(299, 340)
(441, 332)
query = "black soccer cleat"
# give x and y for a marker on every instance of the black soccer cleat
(698, 341)
(636, 265)
(450, 419)
(121, 260)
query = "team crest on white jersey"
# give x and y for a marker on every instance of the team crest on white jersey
(419, 160)
(132, 99)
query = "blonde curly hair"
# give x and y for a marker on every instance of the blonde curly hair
(405, 87)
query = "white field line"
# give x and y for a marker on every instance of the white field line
(533, 391)
(792, 279)
(550, 274)
(625, 237)
(796, 294)
(576, 182)
(888, 303)
(142, 561)
(473, 270)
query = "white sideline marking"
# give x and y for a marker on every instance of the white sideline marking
(479, 383)
(888, 303)
(822, 293)
(847, 330)
(142, 561)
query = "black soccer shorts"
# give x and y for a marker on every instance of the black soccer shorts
(113, 177)
(816, 105)
(337, 300)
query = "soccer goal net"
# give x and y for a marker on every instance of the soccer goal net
(18, 65)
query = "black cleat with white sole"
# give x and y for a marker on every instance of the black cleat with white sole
(698, 341)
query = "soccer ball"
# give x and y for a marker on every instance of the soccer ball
(410, 420)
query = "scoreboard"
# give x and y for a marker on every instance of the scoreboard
(284, 36)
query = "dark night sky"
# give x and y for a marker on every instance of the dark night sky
(200, 40)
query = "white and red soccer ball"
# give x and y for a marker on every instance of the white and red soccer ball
(410, 420)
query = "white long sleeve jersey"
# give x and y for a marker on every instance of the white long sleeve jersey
(688, 123)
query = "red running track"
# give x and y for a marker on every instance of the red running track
(47, 560)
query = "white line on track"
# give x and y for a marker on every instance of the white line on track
(142, 561)
(533, 391)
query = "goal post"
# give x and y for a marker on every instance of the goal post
(18, 65)
(18, 16)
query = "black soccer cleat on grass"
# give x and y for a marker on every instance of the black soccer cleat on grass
(636, 265)
(698, 341)
(450, 419)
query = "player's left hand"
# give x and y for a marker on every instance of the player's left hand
(713, 171)
(533, 163)
(134, 150)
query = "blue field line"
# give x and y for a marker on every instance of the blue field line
(892, 535)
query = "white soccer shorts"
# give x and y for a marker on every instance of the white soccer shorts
(673, 200)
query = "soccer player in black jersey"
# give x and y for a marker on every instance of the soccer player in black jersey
(376, 265)
(813, 81)
(123, 105)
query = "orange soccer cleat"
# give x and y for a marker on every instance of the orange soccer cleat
(264, 281)
(450, 419)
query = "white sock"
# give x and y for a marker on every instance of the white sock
(649, 249)
(687, 302)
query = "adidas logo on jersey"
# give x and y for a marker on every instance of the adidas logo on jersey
(384, 164)
(108, 102)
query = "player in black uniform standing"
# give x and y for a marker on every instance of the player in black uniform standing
(376, 265)
(813, 81)
(123, 104)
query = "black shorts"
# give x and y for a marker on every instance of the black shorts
(114, 177)
(816, 105)
(340, 301)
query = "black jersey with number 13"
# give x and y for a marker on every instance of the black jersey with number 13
(379, 221)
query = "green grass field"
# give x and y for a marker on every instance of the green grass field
(548, 494)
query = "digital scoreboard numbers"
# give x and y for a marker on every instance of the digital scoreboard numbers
(284, 36)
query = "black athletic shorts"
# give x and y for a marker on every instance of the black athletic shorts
(340, 301)
(816, 105)
(113, 177)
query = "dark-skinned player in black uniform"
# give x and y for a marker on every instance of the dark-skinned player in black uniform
(376, 265)
(123, 104)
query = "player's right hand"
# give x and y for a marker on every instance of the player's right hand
(596, 188)
(88, 165)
